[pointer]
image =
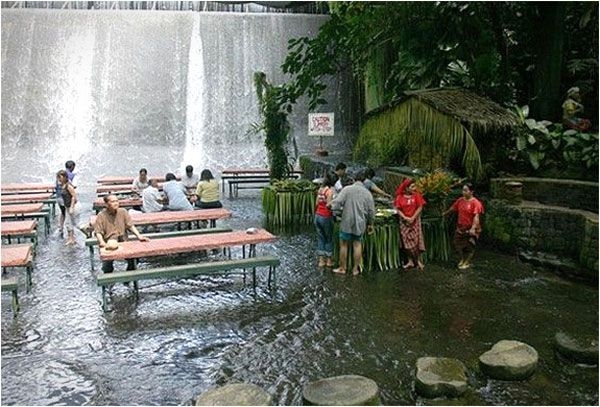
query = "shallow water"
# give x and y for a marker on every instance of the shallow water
(182, 337)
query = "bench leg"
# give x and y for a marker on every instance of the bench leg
(254, 277)
(15, 302)
(92, 257)
(28, 269)
(104, 298)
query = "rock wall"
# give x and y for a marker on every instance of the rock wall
(562, 238)
(572, 194)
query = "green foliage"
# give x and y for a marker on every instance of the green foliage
(274, 124)
(544, 144)
(489, 47)
(289, 202)
(414, 127)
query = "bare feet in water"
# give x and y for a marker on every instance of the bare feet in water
(339, 270)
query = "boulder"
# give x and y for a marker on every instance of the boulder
(509, 360)
(236, 394)
(581, 350)
(439, 377)
(348, 390)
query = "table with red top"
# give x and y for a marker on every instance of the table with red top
(18, 255)
(164, 217)
(253, 176)
(26, 188)
(107, 180)
(19, 229)
(130, 202)
(134, 249)
(43, 197)
(117, 189)
(26, 211)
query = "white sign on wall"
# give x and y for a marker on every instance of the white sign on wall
(320, 124)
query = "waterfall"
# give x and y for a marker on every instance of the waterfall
(195, 152)
(120, 90)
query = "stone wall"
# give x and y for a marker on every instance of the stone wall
(562, 238)
(572, 194)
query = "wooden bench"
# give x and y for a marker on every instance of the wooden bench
(12, 284)
(217, 267)
(91, 242)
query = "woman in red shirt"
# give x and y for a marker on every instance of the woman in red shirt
(410, 204)
(324, 222)
(468, 225)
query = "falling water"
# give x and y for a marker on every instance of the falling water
(120, 90)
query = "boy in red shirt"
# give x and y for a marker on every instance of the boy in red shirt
(468, 225)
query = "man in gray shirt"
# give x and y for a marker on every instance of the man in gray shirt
(357, 217)
(175, 193)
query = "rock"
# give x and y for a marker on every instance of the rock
(509, 360)
(438, 377)
(582, 350)
(237, 394)
(348, 390)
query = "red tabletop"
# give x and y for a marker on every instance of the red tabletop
(127, 180)
(156, 218)
(21, 208)
(17, 227)
(17, 187)
(99, 203)
(133, 249)
(117, 188)
(23, 198)
(16, 255)
(261, 171)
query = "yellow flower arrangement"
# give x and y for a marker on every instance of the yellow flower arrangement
(435, 187)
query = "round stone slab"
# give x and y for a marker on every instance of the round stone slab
(509, 360)
(348, 390)
(437, 377)
(583, 349)
(237, 394)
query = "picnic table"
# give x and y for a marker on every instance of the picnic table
(26, 211)
(108, 180)
(130, 202)
(20, 209)
(19, 229)
(164, 217)
(186, 244)
(44, 197)
(250, 176)
(118, 189)
(25, 188)
(20, 255)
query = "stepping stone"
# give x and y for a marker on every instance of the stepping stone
(237, 394)
(509, 360)
(348, 390)
(437, 377)
(582, 350)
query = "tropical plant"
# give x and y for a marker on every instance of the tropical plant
(544, 144)
(274, 124)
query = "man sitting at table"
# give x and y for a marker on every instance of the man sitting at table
(113, 223)
(152, 199)
(176, 194)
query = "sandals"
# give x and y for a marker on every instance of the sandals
(408, 266)
(339, 271)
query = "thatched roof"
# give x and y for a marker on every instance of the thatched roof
(472, 110)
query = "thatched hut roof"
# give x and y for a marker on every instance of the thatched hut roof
(471, 110)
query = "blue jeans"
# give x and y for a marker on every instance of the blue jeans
(324, 227)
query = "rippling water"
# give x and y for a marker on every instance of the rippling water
(182, 337)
